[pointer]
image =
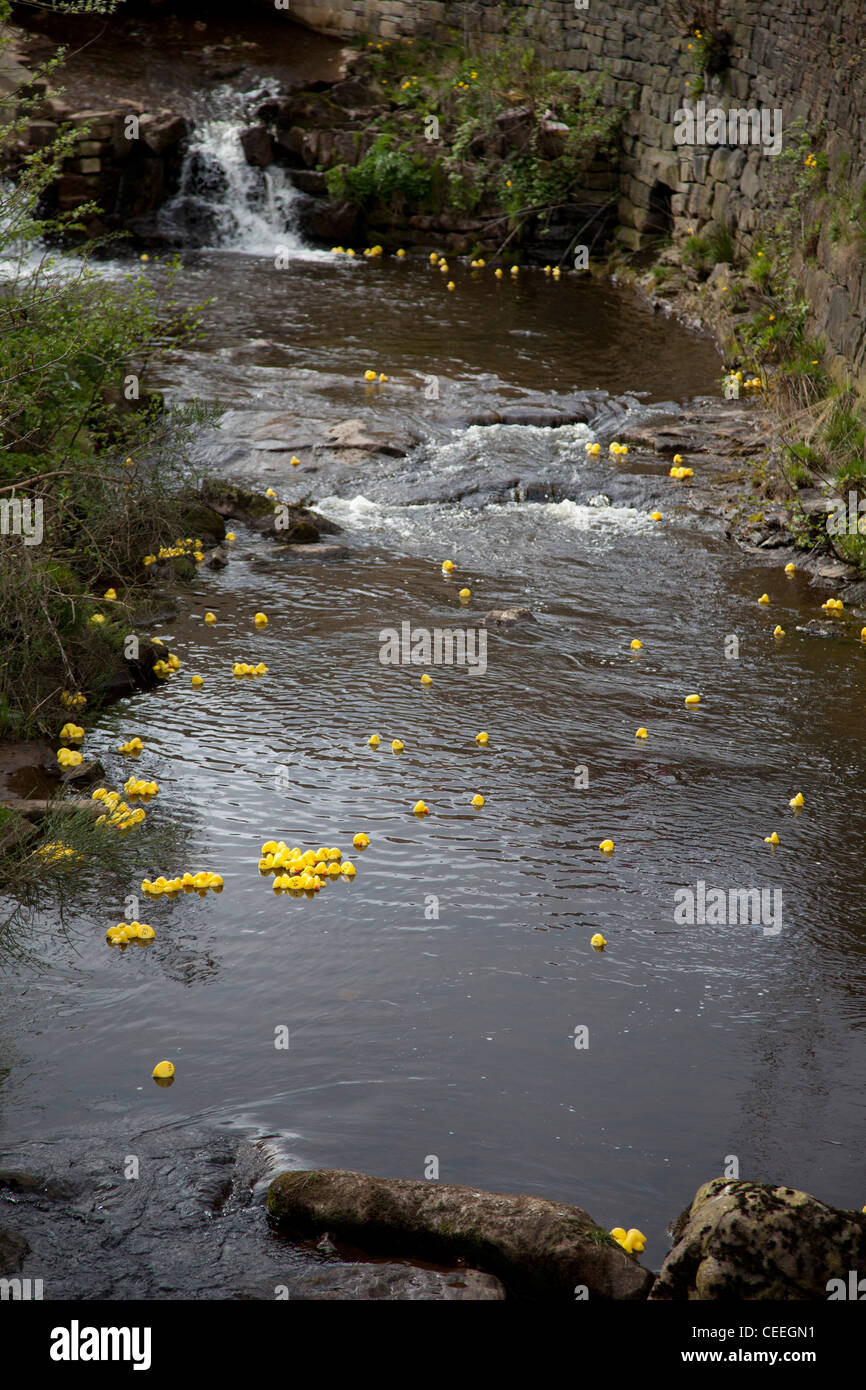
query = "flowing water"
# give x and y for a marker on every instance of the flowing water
(432, 1003)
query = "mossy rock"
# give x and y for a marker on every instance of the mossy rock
(199, 520)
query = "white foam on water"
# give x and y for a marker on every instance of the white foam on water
(580, 517)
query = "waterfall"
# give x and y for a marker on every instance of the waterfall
(222, 201)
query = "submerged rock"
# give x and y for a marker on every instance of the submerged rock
(397, 1282)
(507, 617)
(539, 1248)
(749, 1240)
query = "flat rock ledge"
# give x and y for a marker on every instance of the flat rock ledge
(749, 1240)
(538, 1248)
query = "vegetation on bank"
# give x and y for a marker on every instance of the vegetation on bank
(93, 469)
(482, 127)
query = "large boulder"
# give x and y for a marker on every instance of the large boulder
(538, 1248)
(747, 1240)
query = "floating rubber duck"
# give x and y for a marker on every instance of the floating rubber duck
(606, 846)
(401, 253)
(778, 631)
(598, 943)
(295, 461)
(369, 375)
(72, 731)
(230, 535)
(498, 274)
(557, 273)
(515, 270)
(374, 740)
(426, 680)
(433, 257)
(641, 733)
(693, 699)
(361, 841)
(269, 492)
(765, 598)
(771, 839)
(420, 809)
(443, 267)
(482, 738)
(593, 449)
(833, 605)
(797, 801)
(382, 377)
(547, 269)
(448, 566)
(163, 1070)
(863, 634)
(396, 746)
(348, 869)
(451, 285)
(655, 516)
(465, 594)
(261, 620)
(478, 801)
(68, 758)
(678, 458)
(790, 568)
(636, 644)
(210, 617)
(196, 682)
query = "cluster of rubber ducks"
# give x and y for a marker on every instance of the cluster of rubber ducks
(243, 668)
(370, 375)
(56, 850)
(299, 871)
(633, 1241)
(679, 470)
(125, 932)
(70, 701)
(68, 757)
(617, 448)
(137, 786)
(184, 883)
(737, 381)
(131, 748)
(121, 816)
(167, 667)
(182, 546)
(72, 731)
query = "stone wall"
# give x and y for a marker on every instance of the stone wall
(805, 58)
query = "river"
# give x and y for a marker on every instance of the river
(432, 1003)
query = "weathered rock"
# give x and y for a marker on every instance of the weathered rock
(538, 1248)
(162, 132)
(258, 147)
(326, 219)
(328, 550)
(354, 434)
(749, 1240)
(15, 831)
(200, 519)
(507, 617)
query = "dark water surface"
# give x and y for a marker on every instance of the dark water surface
(415, 1034)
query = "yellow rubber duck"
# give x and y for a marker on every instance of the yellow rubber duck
(72, 731)
(295, 461)
(448, 566)
(261, 620)
(374, 740)
(369, 375)
(498, 274)
(778, 631)
(606, 846)
(771, 839)
(110, 594)
(451, 285)
(361, 841)
(655, 516)
(678, 458)
(636, 644)
(557, 273)
(863, 634)
(641, 733)
(163, 1070)
(765, 598)
(478, 801)
(196, 682)
(482, 738)
(420, 809)
(634, 1241)
(210, 617)
(347, 869)
(790, 568)
(230, 535)
(598, 943)
(797, 801)
(693, 699)
(401, 253)
(396, 746)
(465, 594)
(515, 270)
(433, 258)
(426, 680)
